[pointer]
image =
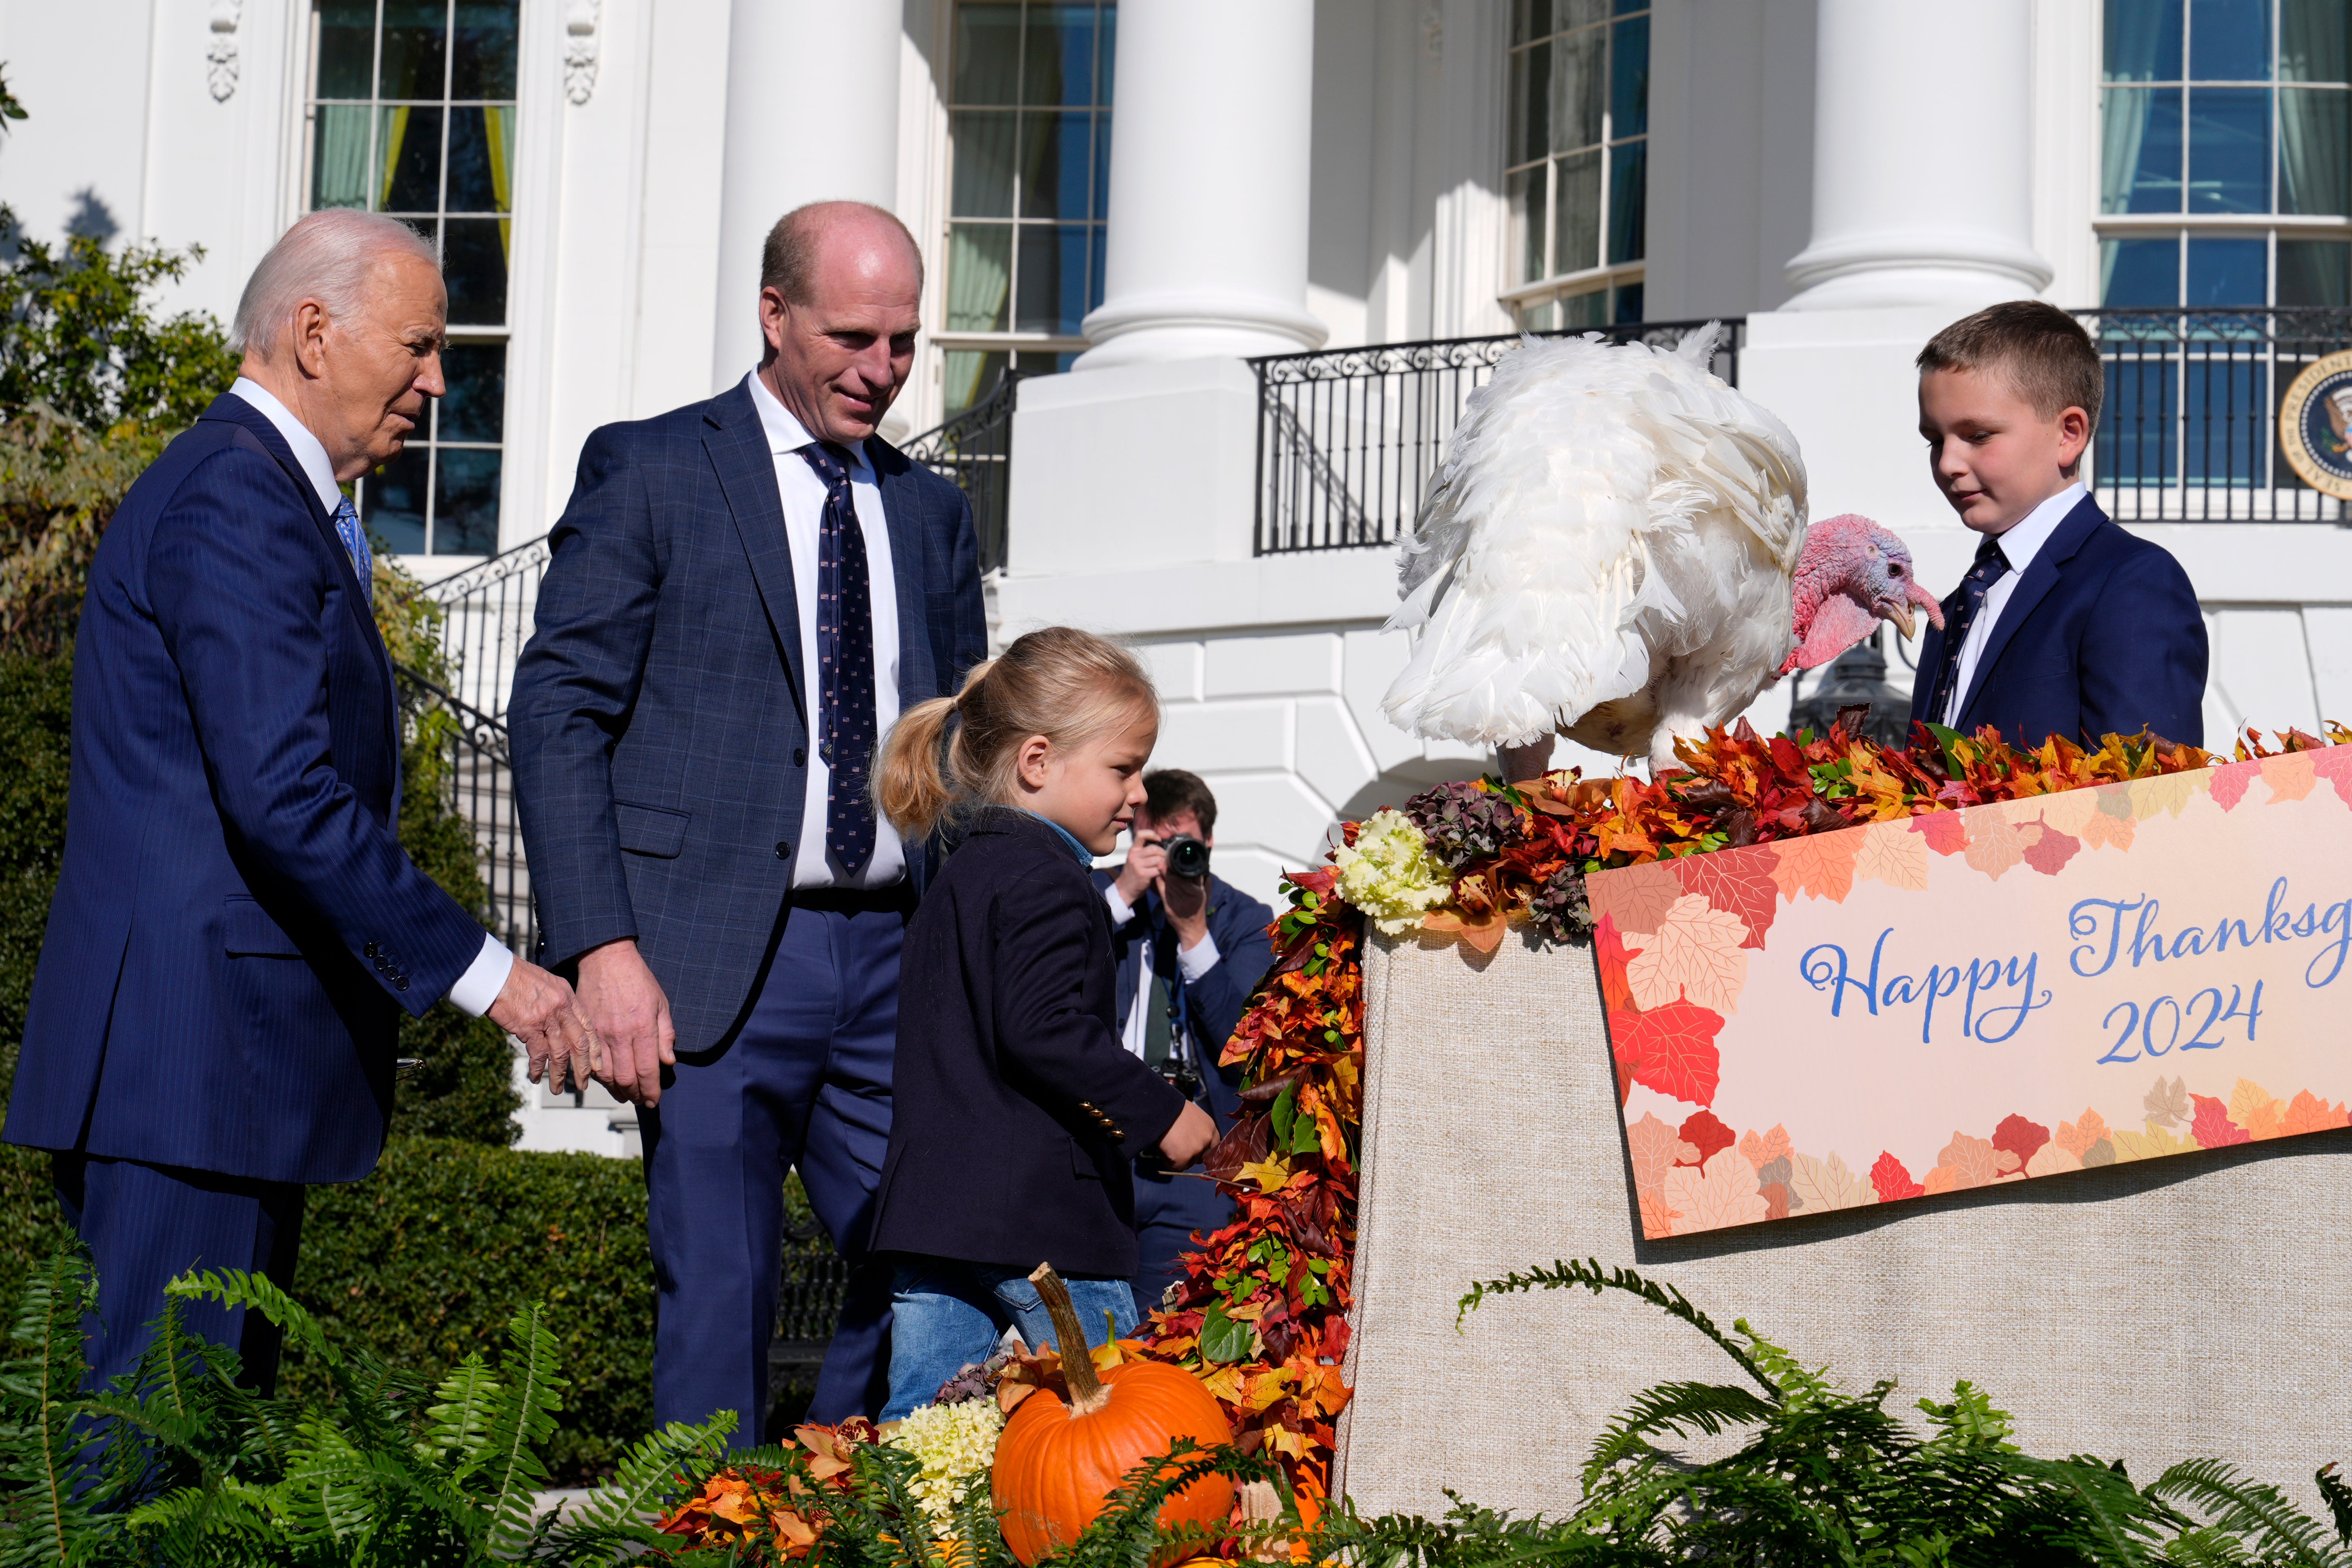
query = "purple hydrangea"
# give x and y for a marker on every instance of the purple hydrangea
(1464, 822)
(1559, 908)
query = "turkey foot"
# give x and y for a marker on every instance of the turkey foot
(1520, 763)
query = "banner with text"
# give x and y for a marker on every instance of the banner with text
(1983, 996)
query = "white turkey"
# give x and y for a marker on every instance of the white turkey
(1614, 549)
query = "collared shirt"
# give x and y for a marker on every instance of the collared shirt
(1192, 963)
(2019, 546)
(478, 987)
(1086, 856)
(804, 497)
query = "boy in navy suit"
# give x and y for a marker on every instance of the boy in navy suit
(2066, 625)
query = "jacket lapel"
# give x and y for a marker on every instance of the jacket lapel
(901, 507)
(2034, 586)
(738, 444)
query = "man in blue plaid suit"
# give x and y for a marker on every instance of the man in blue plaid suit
(743, 594)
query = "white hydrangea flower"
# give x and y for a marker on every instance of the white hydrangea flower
(1389, 874)
(952, 1442)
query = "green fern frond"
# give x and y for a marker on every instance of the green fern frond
(522, 1418)
(2110, 1522)
(651, 1476)
(2237, 1505)
(457, 1433)
(2204, 1547)
(1680, 1408)
(1798, 1387)
(1969, 1421)
(44, 1456)
(236, 1288)
(2338, 1498)
(1588, 1273)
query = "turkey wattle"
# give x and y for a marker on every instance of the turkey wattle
(1614, 549)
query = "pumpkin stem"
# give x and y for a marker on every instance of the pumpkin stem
(1087, 1392)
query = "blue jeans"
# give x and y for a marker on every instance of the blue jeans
(946, 1316)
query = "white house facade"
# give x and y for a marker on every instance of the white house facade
(1240, 255)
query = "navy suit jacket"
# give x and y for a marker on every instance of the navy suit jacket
(235, 929)
(1215, 1002)
(2101, 636)
(660, 715)
(1010, 1079)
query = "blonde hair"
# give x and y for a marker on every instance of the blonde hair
(1069, 686)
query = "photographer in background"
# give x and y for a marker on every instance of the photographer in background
(1189, 950)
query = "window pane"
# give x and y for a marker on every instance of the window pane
(2140, 150)
(466, 502)
(1538, 318)
(392, 500)
(1579, 312)
(1578, 82)
(481, 160)
(984, 165)
(1625, 5)
(1530, 104)
(1060, 67)
(2136, 442)
(346, 48)
(2143, 40)
(408, 150)
(1109, 31)
(1098, 255)
(476, 406)
(1523, 193)
(1102, 167)
(1576, 226)
(1629, 201)
(2225, 432)
(483, 59)
(1056, 176)
(1629, 78)
(968, 376)
(2139, 272)
(1629, 302)
(987, 52)
(2229, 150)
(1568, 14)
(1053, 278)
(2314, 272)
(339, 156)
(1530, 19)
(980, 277)
(2315, 152)
(474, 264)
(2228, 271)
(2314, 40)
(2230, 40)
(415, 34)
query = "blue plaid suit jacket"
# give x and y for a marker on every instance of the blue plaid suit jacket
(660, 715)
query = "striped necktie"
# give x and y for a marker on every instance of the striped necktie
(355, 545)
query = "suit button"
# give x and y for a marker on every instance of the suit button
(401, 983)
(799, 756)
(382, 963)
(783, 849)
(369, 950)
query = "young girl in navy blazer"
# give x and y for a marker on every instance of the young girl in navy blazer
(1016, 1110)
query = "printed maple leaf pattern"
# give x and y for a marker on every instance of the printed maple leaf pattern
(2153, 1144)
(2020, 1137)
(1819, 864)
(1723, 1193)
(2165, 792)
(1735, 880)
(2067, 811)
(2051, 1159)
(2290, 775)
(2306, 1113)
(1967, 1161)
(1891, 1180)
(2167, 1105)
(2262, 1113)
(1609, 949)
(1671, 1049)
(2112, 825)
(2076, 1136)
(1706, 1136)
(1760, 1150)
(2230, 781)
(1944, 831)
(1693, 955)
(2050, 849)
(1993, 846)
(1655, 1148)
(1638, 897)
(2334, 765)
(1823, 1184)
(2212, 1128)
(1892, 854)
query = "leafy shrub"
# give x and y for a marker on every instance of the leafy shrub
(36, 722)
(84, 339)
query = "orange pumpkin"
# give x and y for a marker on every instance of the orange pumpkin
(1056, 1462)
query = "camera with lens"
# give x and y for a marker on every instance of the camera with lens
(1187, 858)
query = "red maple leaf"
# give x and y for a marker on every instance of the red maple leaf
(1673, 1050)
(1891, 1179)
(2334, 765)
(2212, 1128)
(1945, 832)
(1622, 1049)
(2048, 853)
(1737, 880)
(1609, 950)
(1704, 1132)
(2020, 1137)
(2230, 783)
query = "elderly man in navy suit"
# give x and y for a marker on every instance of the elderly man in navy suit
(744, 594)
(236, 930)
(1189, 950)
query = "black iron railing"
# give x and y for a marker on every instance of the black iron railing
(2189, 432)
(486, 617)
(975, 450)
(1347, 438)
(475, 776)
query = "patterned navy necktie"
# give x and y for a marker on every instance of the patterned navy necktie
(847, 720)
(1991, 567)
(355, 545)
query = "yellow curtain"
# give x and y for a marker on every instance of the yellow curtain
(395, 130)
(498, 124)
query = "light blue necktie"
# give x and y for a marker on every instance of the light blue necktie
(355, 544)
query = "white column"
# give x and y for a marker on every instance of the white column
(1210, 127)
(1923, 177)
(812, 115)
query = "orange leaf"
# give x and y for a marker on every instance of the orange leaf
(1819, 864)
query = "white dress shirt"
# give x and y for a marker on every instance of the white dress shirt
(1192, 963)
(804, 497)
(484, 978)
(2019, 546)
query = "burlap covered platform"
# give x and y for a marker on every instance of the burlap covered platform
(2151, 1312)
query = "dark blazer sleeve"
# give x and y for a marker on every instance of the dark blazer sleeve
(967, 621)
(1238, 924)
(253, 664)
(1042, 942)
(2142, 659)
(573, 688)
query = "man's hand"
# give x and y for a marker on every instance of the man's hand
(1186, 901)
(630, 1012)
(539, 1009)
(1193, 1136)
(1147, 865)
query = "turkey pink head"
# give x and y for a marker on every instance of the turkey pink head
(1852, 575)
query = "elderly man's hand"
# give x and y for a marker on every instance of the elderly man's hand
(539, 1009)
(630, 1013)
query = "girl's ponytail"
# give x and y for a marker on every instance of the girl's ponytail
(911, 779)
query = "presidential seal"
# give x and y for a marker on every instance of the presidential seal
(2316, 425)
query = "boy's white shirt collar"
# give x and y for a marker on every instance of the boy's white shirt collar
(2021, 543)
(786, 434)
(308, 450)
